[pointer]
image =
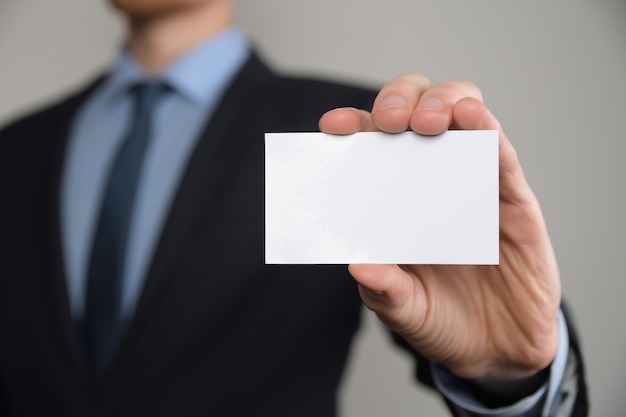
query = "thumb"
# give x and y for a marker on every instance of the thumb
(393, 294)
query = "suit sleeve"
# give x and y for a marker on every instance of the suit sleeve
(567, 399)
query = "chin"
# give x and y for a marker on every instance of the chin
(151, 8)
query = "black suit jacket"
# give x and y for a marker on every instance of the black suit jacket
(216, 332)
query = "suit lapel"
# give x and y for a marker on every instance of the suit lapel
(55, 283)
(218, 148)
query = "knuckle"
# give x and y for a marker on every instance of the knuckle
(461, 89)
(411, 81)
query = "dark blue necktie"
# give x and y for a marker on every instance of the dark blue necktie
(103, 324)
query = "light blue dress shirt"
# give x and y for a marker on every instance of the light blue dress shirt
(198, 81)
(455, 390)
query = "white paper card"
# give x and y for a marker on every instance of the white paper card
(381, 198)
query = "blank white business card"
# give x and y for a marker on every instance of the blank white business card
(380, 198)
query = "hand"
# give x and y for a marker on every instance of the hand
(478, 321)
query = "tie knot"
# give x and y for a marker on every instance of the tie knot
(146, 95)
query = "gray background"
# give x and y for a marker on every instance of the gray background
(552, 71)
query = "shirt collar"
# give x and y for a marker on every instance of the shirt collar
(198, 75)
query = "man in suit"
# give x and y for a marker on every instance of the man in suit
(195, 323)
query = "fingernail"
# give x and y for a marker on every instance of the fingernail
(392, 101)
(430, 104)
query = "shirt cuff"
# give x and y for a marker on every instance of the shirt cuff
(460, 396)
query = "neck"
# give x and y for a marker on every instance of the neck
(157, 41)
